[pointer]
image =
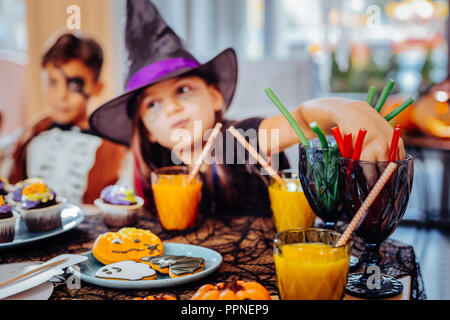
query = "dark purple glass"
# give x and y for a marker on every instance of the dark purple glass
(356, 180)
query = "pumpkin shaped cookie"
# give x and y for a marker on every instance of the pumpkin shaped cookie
(127, 244)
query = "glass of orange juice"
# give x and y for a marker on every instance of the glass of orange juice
(290, 208)
(176, 198)
(308, 266)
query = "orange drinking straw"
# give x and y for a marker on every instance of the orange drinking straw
(362, 212)
(254, 153)
(205, 151)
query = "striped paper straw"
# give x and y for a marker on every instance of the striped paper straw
(254, 153)
(362, 212)
(205, 151)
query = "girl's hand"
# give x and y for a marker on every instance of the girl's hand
(349, 115)
(355, 115)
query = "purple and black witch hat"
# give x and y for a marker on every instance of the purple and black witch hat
(156, 54)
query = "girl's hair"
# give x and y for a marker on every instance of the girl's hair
(235, 181)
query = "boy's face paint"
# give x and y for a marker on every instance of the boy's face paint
(176, 104)
(68, 88)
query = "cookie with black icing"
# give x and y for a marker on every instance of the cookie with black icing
(126, 270)
(175, 266)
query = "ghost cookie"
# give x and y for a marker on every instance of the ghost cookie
(126, 270)
(175, 266)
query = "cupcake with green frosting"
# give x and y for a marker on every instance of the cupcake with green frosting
(119, 205)
(40, 208)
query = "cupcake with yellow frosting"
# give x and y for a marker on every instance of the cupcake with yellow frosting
(7, 221)
(40, 208)
(119, 205)
(15, 196)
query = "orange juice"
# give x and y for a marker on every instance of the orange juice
(311, 271)
(290, 208)
(176, 200)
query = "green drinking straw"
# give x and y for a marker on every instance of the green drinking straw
(399, 109)
(322, 138)
(385, 94)
(371, 95)
(288, 116)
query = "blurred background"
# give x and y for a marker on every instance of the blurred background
(300, 48)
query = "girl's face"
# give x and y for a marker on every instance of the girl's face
(176, 104)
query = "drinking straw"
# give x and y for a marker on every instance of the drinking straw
(288, 116)
(399, 109)
(322, 137)
(371, 95)
(394, 143)
(339, 141)
(358, 144)
(205, 151)
(254, 153)
(362, 212)
(348, 145)
(385, 94)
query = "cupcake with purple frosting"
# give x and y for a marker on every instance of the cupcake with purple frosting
(119, 205)
(4, 186)
(7, 221)
(40, 208)
(15, 197)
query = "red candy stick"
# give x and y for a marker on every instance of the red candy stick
(339, 141)
(394, 143)
(358, 144)
(348, 145)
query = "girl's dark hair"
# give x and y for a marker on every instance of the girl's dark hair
(69, 47)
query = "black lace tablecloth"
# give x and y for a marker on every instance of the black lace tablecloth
(245, 243)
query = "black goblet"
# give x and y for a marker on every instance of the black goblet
(356, 180)
(319, 174)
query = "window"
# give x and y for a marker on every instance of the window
(13, 30)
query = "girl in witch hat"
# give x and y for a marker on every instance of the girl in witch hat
(167, 89)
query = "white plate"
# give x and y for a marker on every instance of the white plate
(40, 292)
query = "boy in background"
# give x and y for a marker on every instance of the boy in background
(61, 148)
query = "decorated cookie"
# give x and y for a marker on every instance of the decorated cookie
(126, 270)
(175, 266)
(127, 244)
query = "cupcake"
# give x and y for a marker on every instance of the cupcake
(15, 197)
(39, 207)
(4, 186)
(7, 221)
(119, 206)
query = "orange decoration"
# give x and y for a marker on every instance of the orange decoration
(34, 188)
(127, 244)
(233, 290)
(158, 297)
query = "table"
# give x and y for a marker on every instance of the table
(419, 145)
(245, 243)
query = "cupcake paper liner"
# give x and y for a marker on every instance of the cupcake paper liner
(42, 219)
(7, 228)
(119, 215)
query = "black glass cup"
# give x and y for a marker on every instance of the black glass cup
(318, 173)
(356, 180)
